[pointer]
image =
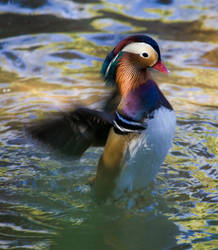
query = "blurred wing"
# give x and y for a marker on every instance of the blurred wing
(71, 133)
(113, 100)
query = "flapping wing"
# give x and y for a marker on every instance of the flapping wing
(72, 132)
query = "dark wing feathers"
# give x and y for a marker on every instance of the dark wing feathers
(72, 132)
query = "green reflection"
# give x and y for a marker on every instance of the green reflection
(44, 202)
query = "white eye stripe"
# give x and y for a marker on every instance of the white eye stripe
(139, 48)
(136, 48)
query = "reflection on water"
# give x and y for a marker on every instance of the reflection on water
(50, 56)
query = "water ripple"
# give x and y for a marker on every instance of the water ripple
(50, 57)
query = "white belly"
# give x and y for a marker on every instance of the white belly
(146, 152)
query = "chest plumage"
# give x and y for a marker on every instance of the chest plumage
(146, 152)
(138, 142)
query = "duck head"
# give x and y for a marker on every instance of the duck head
(127, 64)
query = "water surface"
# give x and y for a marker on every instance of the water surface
(51, 53)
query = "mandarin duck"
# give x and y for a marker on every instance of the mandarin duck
(136, 133)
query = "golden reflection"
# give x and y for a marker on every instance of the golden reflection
(161, 12)
(207, 245)
(211, 58)
(211, 229)
(83, 45)
(212, 144)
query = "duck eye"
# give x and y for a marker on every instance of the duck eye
(145, 54)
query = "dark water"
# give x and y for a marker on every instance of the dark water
(50, 56)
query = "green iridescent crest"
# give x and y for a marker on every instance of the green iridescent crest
(109, 68)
